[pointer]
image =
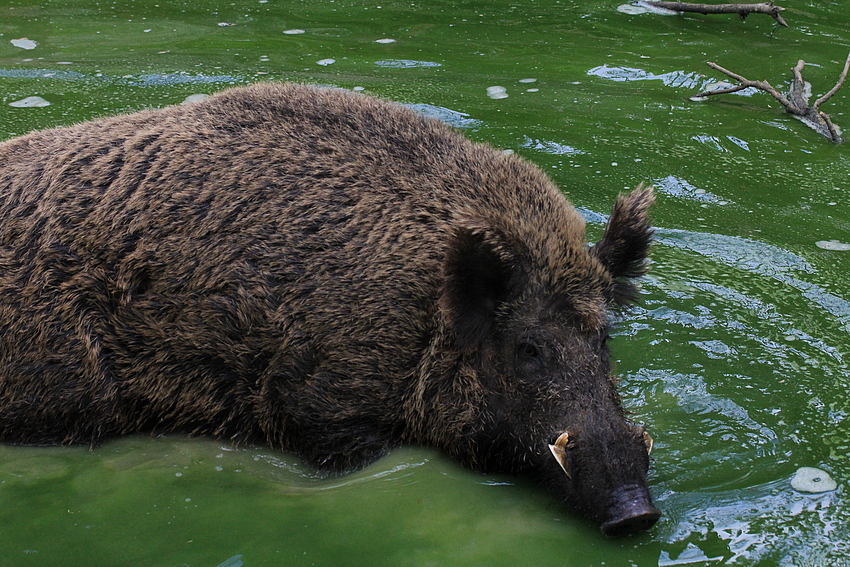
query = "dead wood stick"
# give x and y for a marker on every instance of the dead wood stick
(746, 83)
(742, 10)
(798, 86)
(797, 101)
(833, 130)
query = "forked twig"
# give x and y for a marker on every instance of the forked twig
(742, 10)
(837, 86)
(797, 101)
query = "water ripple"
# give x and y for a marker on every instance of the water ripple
(41, 74)
(549, 147)
(672, 185)
(760, 258)
(405, 63)
(447, 115)
(743, 253)
(673, 79)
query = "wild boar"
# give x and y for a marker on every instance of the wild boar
(321, 271)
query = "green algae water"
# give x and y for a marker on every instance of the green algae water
(736, 359)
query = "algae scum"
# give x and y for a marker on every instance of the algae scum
(736, 359)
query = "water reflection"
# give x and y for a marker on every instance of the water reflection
(673, 79)
(405, 63)
(749, 310)
(672, 185)
(447, 115)
(767, 522)
(146, 80)
(735, 251)
(762, 259)
(159, 79)
(549, 147)
(41, 74)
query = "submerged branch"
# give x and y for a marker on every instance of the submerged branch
(742, 10)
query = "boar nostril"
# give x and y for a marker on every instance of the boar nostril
(631, 511)
(632, 525)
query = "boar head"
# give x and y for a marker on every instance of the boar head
(538, 398)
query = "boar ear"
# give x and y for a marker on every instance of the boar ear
(624, 247)
(480, 272)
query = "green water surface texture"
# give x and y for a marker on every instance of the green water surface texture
(736, 359)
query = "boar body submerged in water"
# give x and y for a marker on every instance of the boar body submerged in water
(325, 272)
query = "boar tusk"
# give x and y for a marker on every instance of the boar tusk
(562, 440)
(559, 451)
(647, 440)
(561, 456)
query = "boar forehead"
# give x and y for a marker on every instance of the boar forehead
(574, 291)
(570, 348)
(562, 276)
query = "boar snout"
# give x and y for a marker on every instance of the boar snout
(630, 511)
(616, 495)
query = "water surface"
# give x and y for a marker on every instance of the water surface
(736, 359)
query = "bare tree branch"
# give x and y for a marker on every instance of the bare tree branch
(798, 95)
(833, 129)
(746, 83)
(722, 91)
(797, 101)
(837, 86)
(742, 10)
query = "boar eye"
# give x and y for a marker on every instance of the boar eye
(529, 350)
